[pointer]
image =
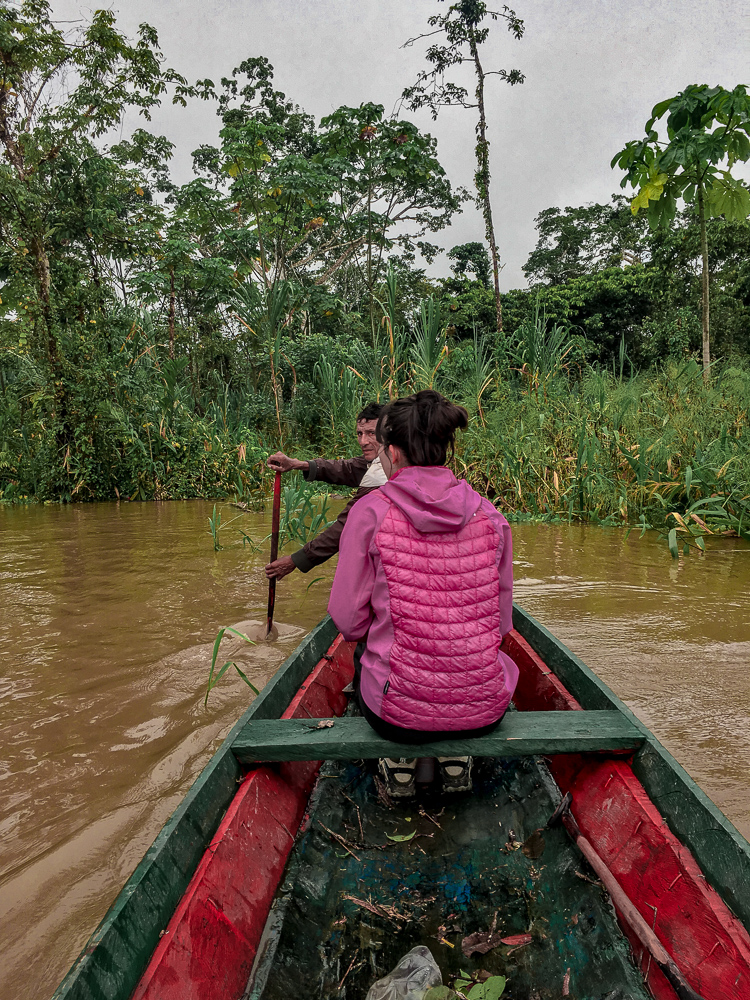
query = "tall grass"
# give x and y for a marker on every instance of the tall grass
(550, 437)
(661, 449)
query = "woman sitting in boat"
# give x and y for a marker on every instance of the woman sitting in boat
(425, 582)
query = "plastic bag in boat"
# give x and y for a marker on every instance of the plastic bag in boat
(416, 973)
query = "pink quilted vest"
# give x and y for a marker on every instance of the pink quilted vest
(443, 590)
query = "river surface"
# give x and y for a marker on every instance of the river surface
(107, 616)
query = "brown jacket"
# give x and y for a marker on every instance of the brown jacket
(343, 472)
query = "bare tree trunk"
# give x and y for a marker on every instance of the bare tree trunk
(41, 264)
(705, 307)
(171, 312)
(482, 178)
(369, 255)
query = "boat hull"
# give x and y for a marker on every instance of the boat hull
(676, 856)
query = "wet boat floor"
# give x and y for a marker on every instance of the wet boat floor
(348, 911)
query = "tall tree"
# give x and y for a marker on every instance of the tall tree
(708, 132)
(471, 257)
(585, 239)
(463, 34)
(60, 94)
(300, 201)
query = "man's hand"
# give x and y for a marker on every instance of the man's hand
(280, 462)
(280, 567)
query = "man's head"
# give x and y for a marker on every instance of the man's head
(367, 422)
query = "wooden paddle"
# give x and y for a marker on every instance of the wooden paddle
(275, 517)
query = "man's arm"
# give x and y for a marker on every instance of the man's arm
(326, 544)
(341, 472)
(319, 549)
(280, 462)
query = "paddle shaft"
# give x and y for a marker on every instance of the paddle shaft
(275, 517)
(622, 902)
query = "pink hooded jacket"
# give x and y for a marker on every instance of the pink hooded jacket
(426, 573)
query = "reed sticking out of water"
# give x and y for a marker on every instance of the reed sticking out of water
(215, 675)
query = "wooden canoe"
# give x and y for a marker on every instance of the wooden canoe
(221, 906)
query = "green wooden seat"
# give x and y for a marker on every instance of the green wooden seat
(519, 733)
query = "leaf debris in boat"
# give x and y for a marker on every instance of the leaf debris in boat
(341, 840)
(440, 993)
(442, 931)
(517, 940)
(354, 958)
(512, 844)
(384, 798)
(479, 986)
(593, 881)
(533, 846)
(401, 838)
(481, 941)
(389, 912)
(432, 819)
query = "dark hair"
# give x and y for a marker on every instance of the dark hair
(423, 426)
(371, 411)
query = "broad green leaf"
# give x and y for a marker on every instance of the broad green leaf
(492, 989)
(672, 543)
(440, 993)
(401, 838)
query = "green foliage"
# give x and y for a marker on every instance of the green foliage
(305, 513)
(214, 525)
(157, 341)
(708, 132)
(488, 989)
(585, 240)
(470, 986)
(471, 257)
(706, 127)
(617, 451)
(540, 352)
(604, 272)
(428, 348)
(109, 272)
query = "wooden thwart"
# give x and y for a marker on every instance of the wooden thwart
(519, 733)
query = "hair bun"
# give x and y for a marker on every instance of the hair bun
(423, 426)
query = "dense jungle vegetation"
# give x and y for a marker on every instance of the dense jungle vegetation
(158, 340)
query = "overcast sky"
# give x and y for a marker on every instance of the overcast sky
(594, 69)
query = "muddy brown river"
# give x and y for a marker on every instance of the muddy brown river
(107, 615)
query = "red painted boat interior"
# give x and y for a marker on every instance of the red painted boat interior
(207, 950)
(707, 942)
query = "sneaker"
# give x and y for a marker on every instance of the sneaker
(399, 776)
(455, 773)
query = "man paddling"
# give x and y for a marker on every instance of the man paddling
(364, 472)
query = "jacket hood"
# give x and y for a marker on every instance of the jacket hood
(432, 498)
